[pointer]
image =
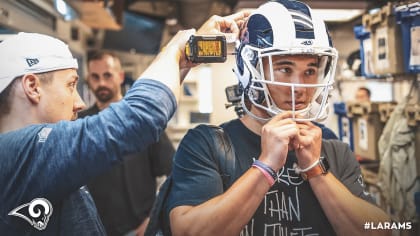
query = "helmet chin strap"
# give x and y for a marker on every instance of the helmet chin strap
(310, 113)
(319, 113)
(274, 110)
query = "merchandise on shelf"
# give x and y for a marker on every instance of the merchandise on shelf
(408, 17)
(367, 126)
(345, 125)
(386, 41)
(363, 35)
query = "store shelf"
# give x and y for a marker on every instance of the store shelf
(188, 99)
(383, 78)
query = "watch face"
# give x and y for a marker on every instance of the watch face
(325, 164)
(320, 169)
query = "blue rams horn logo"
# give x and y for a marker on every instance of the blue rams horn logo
(37, 212)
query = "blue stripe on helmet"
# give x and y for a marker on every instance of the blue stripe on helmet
(302, 19)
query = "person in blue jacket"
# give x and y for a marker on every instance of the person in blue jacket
(47, 157)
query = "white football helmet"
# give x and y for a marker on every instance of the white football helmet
(285, 28)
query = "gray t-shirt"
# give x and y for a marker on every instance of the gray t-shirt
(289, 207)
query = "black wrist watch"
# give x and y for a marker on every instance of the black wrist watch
(320, 169)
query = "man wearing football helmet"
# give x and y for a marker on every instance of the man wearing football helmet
(300, 33)
(288, 180)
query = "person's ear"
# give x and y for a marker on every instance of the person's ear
(87, 80)
(121, 77)
(31, 84)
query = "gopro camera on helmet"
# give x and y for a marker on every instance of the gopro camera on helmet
(234, 95)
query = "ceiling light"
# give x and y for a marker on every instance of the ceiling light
(65, 10)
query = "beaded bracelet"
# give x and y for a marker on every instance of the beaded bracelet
(269, 173)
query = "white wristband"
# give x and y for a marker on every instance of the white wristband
(298, 170)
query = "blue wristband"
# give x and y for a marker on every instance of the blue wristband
(272, 173)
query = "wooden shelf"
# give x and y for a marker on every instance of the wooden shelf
(383, 78)
(189, 99)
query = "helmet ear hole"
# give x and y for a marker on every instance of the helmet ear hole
(245, 53)
(250, 55)
(257, 95)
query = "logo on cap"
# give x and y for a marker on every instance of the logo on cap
(32, 61)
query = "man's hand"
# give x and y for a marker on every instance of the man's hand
(307, 143)
(178, 43)
(276, 136)
(282, 134)
(142, 227)
(229, 25)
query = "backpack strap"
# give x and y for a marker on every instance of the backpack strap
(224, 155)
(158, 223)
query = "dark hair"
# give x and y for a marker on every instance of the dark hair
(366, 90)
(100, 54)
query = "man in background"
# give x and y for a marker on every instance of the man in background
(363, 94)
(125, 194)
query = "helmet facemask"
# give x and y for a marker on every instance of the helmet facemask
(285, 30)
(264, 79)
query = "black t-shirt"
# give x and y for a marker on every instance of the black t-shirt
(124, 195)
(289, 207)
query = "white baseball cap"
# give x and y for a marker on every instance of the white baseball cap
(32, 53)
